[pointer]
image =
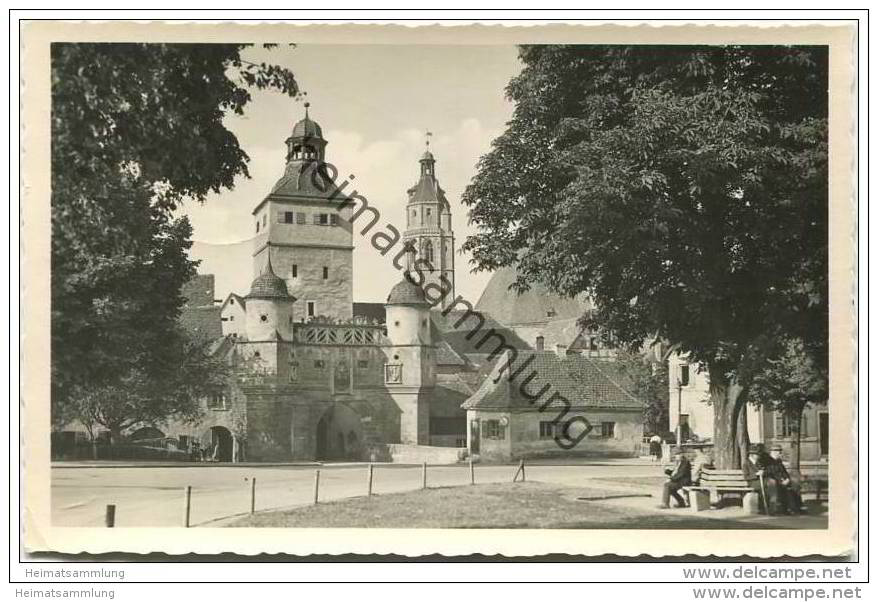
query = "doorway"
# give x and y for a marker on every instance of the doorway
(221, 444)
(339, 434)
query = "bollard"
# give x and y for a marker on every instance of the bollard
(472, 472)
(316, 485)
(110, 516)
(424, 476)
(187, 505)
(369, 487)
(253, 495)
(521, 467)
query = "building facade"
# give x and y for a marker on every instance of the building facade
(693, 415)
(315, 375)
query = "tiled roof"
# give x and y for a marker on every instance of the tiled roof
(446, 356)
(199, 291)
(406, 292)
(428, 190)
(202, 323)
(268, 285)
(373, 311)
(445, 328)
(303, 179)
(535, 305)
(307, 127)
(585, 383)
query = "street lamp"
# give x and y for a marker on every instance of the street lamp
(679, 412)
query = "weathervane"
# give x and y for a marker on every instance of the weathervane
(304, 96)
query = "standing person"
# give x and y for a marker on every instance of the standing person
(655, 448)
(789, 493)
(678, 477)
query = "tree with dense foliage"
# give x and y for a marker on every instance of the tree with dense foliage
(685, 189)
(792, 379)
(137, 129)
(648, 380)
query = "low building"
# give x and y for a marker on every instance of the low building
(538, 403)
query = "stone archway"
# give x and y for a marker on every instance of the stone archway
(219, 444)
(339, 434)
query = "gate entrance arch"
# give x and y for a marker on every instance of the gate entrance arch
(339, 434)
(219, 444)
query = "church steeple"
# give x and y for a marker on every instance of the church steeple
(429, 232)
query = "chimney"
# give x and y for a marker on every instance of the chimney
(561, 350)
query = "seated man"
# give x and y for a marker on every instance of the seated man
(789, 497)
(754, 471)
(678, 477)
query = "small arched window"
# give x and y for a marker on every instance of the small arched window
(428, 251)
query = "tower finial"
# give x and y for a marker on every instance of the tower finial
(304, 96)
(428, 136)
(269, 269)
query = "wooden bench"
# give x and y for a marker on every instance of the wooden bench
(716, 483)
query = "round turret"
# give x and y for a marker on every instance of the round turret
(269, 306)
(408, 314)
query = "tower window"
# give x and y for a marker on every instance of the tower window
(288, 217)
(263, 318)
(294, 271)
(325, 273)
(333, 219)
(257, 225)
(428, 251)
(311, 308)
(541, 343)
(264, 219)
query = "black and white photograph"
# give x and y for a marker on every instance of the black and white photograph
(294, 284)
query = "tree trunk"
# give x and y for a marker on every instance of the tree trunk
(115, 435)
(728, 401)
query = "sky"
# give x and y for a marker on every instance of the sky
(375, 104)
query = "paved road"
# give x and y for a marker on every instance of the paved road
(152, 496)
